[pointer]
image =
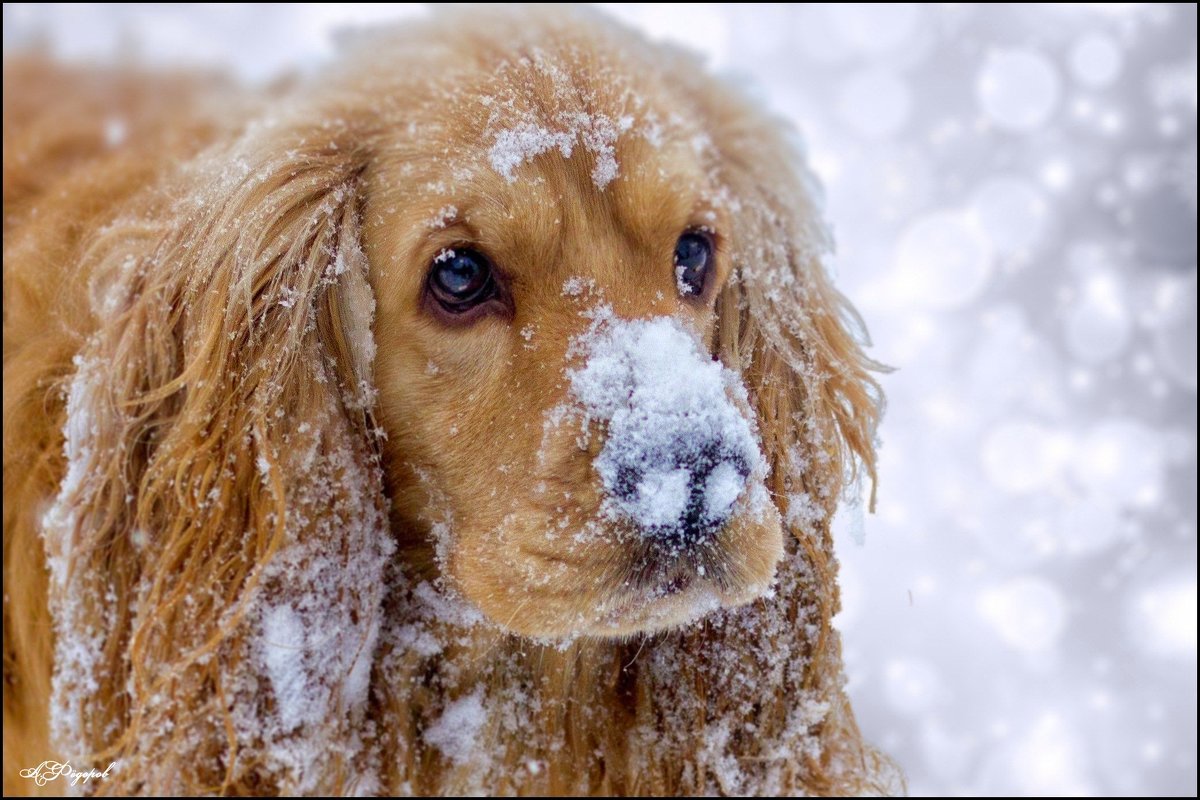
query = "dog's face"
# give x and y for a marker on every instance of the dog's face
(547, 262)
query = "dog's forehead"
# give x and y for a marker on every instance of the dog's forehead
(558, 139)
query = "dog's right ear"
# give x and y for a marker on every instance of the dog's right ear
(218, 542)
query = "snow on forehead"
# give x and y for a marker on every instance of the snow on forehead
(524, 121)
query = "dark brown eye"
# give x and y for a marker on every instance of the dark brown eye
(693, 259)
(461, 279)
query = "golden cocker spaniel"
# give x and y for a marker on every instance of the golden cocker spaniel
(467, 417)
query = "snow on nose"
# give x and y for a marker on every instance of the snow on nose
(678, 453)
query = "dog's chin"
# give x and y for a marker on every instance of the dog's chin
(672, 602)
(678, 602)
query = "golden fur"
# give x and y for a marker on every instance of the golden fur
(223, 311)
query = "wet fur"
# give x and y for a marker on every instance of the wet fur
(195, 353)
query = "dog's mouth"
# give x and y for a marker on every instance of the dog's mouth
(673, 601)
(675, 585)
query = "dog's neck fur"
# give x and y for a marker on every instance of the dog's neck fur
(692, 711)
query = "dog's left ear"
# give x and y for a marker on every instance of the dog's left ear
(218, 544)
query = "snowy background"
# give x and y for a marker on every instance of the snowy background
(1013, 189)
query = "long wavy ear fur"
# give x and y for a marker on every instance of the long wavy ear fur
(223, 483)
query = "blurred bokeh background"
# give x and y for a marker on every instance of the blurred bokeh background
(1013, 191)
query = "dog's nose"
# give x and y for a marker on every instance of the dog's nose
(678, 453)
(682, 496)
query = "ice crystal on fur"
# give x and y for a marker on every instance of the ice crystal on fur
(803, 512)
(456, 731)
(598, 134)
(515, 146)
(577, 286)
(283, 652)
(444, 216)
(773, 652)
(678, 451)
(79, 636)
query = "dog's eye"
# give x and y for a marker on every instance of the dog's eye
(461, 279)
(693, 257)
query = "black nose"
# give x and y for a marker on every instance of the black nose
(687, 494)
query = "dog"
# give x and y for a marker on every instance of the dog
(467, 417)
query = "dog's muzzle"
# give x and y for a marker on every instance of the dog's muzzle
(678, 453)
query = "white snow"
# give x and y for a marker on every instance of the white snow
(596, 133)
(80, 637)
(315, 611)
(599, 134)
(1076, 699)
(283, 656)
(515, 146)
(288, 297)
(804, 512)
(677, 447)
(722, 489)
(445, 216)
(446, 607)
(576, 286)
(662, 497)
(681, 285)
(455, 732)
